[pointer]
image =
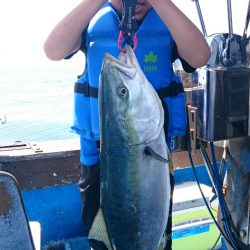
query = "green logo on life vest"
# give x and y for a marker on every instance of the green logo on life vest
(150, 59)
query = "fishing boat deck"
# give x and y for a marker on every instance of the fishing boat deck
(49, 163)
(47, 173)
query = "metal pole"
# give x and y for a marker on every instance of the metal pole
(247, 20)
(230, 21)
(200, 17)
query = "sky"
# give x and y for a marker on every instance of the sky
(24, 26)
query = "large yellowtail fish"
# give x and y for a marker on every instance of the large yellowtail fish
(135, 187)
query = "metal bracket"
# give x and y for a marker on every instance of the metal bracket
(192, 119)
(19, 145)
(36, 148)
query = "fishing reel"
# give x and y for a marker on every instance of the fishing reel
(218, 94)
(220, 98)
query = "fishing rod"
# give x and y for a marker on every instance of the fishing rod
(230, 19)
(198, 8)
(247, 21)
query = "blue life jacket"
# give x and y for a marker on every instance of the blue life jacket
(154, 53)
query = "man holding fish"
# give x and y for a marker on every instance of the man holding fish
(133, 138)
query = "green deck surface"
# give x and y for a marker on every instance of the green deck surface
(200, 237)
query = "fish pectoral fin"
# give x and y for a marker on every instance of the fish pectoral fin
(98, 230)
(149, 151)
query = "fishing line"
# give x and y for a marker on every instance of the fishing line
(216, 242)
(225, 213)
(204, 198)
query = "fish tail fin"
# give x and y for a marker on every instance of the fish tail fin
(98, 230)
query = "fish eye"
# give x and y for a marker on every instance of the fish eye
(123, 91)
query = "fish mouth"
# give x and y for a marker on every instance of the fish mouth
(125, 62)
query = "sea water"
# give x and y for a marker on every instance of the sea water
(36, 104)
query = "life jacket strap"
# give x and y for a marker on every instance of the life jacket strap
(98, 144)
(171, 91)
(86, 90)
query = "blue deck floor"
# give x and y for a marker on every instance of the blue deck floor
(58, 210)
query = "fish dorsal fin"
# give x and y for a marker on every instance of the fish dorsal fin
(98, 230)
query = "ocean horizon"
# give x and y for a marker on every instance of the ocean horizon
(36, 104)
